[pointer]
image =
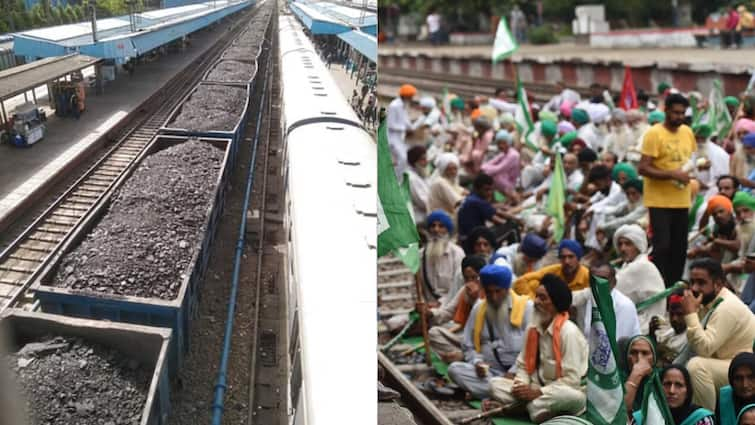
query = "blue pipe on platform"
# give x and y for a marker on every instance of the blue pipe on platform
(220, 386)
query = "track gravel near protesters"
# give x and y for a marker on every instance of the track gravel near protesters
(71, 381)
(144, 244)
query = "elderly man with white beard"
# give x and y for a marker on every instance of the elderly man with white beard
(445, 192)
(550, 367)
(638, 278)
(493, 334)
(441, 259)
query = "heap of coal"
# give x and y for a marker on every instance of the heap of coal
(144, 244)
(212, 107)
(71, 381)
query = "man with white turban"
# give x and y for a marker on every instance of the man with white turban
(430, 113)
(445, 192)
(638, 278)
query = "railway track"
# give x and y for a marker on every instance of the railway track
(433, 83)
(23, 259)
(268, 376)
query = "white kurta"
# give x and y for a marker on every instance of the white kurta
(627, 321)
(719, 160)
(398, 123)
(639, 280)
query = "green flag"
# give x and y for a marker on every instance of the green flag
(655, 409)
(718, 116)
(556, 198)
(605, 392)
(396, 230)
(522, 118)
(504, 45)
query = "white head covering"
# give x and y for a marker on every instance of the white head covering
(444, 160)
(427, 102)
(635, 234)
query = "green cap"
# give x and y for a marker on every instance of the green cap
(626, 168)
(567, 139)
(731, 101)
(702, 130)
(548, 128)
(744, 199)
(656, 117)
(457, 103)
(579, 116)
(662, 87)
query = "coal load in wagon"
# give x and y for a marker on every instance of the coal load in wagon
(212, 108)
(144, 244)
(70, 381)
(230, 71)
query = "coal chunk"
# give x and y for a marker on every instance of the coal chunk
(229, 71)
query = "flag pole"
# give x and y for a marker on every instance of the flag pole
(423, 317)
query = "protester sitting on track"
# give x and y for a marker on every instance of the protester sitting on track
(441, 259)
(550, 367)
(445, 192)
(627, 322)
(724, 244)
(493, 334)
(525, 256)
(568, 269)
(741, 389)
(719, 326)
(631, 211)
(481, 241)
(504, 168)
(677, 387)
(477, 208)
(639, 366)
(710, 160)
(418, 184)
(450, 318)
(670, 334)
(637, 277)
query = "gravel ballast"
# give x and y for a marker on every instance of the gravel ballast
(231, 71)
(144, 244)
(70, 381)
(212, 107)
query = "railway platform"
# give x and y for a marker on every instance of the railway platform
(578, 66)
(25, 173)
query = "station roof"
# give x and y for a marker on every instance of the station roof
(21, 78)
(364, 43)
(356, 17)
(317, 21)
(114, 35)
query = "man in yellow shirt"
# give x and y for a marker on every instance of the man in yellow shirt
(719, 326)
(569, 270)
(666, 149)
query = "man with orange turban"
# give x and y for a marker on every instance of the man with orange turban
(724, 244)
(398, 122)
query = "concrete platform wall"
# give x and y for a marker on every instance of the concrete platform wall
(574, 73)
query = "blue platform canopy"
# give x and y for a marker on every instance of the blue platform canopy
(364, 43)
(317, 21)
(357, 18)
(115, 38)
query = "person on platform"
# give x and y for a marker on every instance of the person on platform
(568, 269)
(719, 326)
(449, 319)
(440, 259)
(550, 367)
(445, 192)
(665, 149)
(740, 392)
(638, 278)
(493, 334)
(399, 123)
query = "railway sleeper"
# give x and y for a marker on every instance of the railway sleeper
(21, 266)
(6, 291)
(13, 277)
(27, 255)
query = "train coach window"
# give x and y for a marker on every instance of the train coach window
(327, 113)
(334, 128)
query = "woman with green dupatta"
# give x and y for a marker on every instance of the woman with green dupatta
(741, 389)
(677, 387)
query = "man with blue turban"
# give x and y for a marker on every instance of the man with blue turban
(493, 334)
(568, 269)
(441, 259)
(525, 256)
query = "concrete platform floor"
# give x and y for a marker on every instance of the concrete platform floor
(24, 170)
(341, 77)
(569, 51)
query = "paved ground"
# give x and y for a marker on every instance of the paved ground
(346, 84)
(568, 51)
(22, 170)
